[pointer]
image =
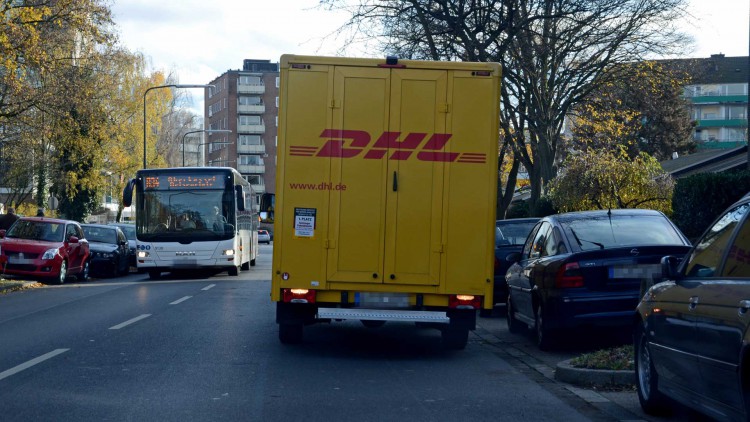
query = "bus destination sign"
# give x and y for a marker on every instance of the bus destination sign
(183, 181)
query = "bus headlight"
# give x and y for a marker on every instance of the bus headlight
(228, 252)
(142, 254)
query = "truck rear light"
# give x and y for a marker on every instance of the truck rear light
(464, 302)
(569, 275)
(298, 295)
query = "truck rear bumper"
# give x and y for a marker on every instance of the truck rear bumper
(383, 315)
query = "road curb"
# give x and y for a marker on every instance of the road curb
(567, 373)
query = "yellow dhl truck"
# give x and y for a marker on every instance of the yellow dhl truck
(385, 193)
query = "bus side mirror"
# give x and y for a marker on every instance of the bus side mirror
(240, 197)
(267, 205)
(127, 193)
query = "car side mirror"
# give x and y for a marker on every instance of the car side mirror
(513, 257)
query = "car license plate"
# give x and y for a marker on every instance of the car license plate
(644, 271)
(16, 260)
(381, 300)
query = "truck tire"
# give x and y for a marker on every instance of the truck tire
(455, 338)
(290, 333)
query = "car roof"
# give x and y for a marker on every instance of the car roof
(101, 226)
(518, 220)
(47, 220)
(580, 215)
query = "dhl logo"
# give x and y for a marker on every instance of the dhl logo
(351, 143)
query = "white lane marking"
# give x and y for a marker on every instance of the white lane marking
(32, 362)
(208, 287)
(180, 300)
(130, 321)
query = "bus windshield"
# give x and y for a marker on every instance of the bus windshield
(186, 215)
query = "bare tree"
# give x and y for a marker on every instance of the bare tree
(554, 53)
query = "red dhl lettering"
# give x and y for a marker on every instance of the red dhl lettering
(351, 143)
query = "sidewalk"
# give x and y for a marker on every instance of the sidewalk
(7, 286)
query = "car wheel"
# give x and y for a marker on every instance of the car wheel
(652, 401)
(514, 326)
(544, 336)
(84, 274)
(63, 273)
(116, 268)
(290, 333)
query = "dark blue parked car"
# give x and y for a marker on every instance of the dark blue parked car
(586, 269)
(510, 236)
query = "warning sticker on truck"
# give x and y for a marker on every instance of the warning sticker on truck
(304, 222)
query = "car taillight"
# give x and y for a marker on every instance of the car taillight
(298, 295)
(464, 302)
(569, 275)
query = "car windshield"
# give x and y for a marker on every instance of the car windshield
(621, 230)
(37, 230)
(129, 230)
(513, 233)
(100, 234)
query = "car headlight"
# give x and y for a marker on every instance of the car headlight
(49, 254)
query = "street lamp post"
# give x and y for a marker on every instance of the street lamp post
(144, 107)
(209, 131)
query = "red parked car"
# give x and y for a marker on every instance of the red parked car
(44, 248)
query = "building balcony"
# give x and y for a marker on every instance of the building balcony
(247, 168)
(251, 128)
(251, 109)
(719, 144)
(718, 99)
(251, 89)
(721, 123)
(251, 149)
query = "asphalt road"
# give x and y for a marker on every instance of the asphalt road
(198, 347)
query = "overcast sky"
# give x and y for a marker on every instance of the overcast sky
(199, 40)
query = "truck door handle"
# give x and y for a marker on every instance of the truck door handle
(395, 182)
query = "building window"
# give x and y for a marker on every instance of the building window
(249, 80)
(249, 140)
(250, 160)
(249, 100)
(249, 120)
(737, 112)
(254, 179)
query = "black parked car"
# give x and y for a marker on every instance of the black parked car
(691, 333)
(584, 269)
(129, 230)
(510, 236)
(109, 250)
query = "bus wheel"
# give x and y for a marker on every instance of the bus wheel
(233, 271)
(252, 262)
(245, 266)
(154, 274)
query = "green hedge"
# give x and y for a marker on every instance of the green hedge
(699, 199)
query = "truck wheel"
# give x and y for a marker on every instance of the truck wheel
(372, 323)
(154, 274)
(455, 338)
(233, 271)
(290, 333)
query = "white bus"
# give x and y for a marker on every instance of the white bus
(193, 217)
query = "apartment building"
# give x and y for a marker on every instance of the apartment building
(718, 100)
(245, 102)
